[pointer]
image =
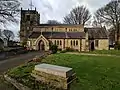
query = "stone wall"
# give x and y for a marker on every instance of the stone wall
(103, 44)
(64, 43)
(12, 52)
(83, 45)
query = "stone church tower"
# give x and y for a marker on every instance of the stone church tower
(29, 18)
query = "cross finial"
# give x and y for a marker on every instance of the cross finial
(31, 5)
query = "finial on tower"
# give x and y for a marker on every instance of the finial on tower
(31, 5)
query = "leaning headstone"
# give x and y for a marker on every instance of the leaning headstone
(56, 76)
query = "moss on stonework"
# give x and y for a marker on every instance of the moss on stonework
(53, 80)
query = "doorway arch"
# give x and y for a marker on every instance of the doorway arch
(41, 45)
(92, 46)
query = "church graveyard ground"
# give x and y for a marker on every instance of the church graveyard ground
(93, 72)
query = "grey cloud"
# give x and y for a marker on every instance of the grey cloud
(93, 5)
(47, 4)
(57, 9)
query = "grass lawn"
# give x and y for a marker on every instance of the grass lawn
(93, 72)
(110, 52)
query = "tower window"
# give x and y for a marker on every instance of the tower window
(28, 17)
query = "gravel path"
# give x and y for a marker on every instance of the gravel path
(17, 60)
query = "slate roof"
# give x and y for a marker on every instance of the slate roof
(93, 33)
(58, 35)
(60, 25)
(97, 33)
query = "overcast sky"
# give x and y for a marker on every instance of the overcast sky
(57, 9)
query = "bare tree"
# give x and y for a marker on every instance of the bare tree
(111, 36)
(53, 22)
(110, 14)
(8, 10)
(97, 22)
(78, 15)
(9, 35)
(18, 34)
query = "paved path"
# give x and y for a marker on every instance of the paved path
(17, 60)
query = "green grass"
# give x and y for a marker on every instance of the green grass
(93, 72)
(109, 52)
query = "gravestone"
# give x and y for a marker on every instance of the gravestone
(57, 76)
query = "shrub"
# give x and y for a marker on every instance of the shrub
(54, 49)
(1, 49)
(68, 49)
(117, 46)
(64, 51)
(59, 49)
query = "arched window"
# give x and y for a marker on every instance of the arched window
(57, 42)
(60, 42)
(71, 43)
(76, 43)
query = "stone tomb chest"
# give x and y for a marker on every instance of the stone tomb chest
(55, 76)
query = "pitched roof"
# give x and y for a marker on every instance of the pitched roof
(94, 33)
(97, 33)
(76, 25)
(58, 35)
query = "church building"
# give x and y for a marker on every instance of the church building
(41, 36)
